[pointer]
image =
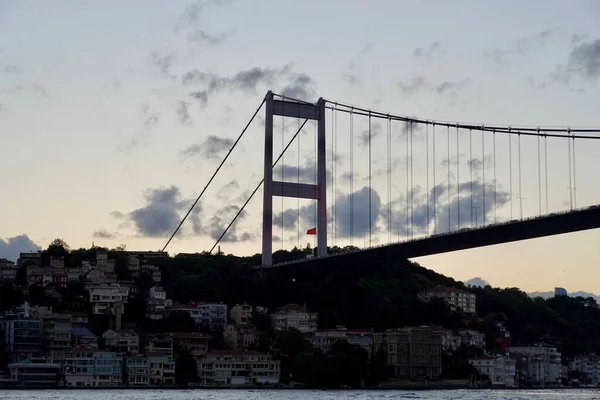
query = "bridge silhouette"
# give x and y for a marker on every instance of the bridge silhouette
(447, 213)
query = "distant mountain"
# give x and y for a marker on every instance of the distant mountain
(477, 281)
(547, 295)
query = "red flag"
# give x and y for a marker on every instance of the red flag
(311, 231)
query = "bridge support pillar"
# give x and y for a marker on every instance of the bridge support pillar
(317, 191)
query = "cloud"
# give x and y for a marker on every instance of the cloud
(427, 52)
(104, 234)
(520, 47)
(201, 36)
(11, 69)
(150, 118)
(221, 219)
(376, 130)
(451, 86)
(291, 84)
(10, 248)
(584, 60)
(301, 87)
(352, 213)
(227, 190)
(183, 113)
(550, 294)
(192, 16)
(477, 281)
(290, 173)
(211, 148)
(413, 85)
(39, 89)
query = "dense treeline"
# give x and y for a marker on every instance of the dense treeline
(362, 293)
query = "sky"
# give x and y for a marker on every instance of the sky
(114, 115)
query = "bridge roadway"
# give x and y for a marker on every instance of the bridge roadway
(466, 238)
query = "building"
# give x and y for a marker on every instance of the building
(323, 339)
(162, 370)
(502, 371)
(541, 365)
(79, 318)
(414, 353)
(558, 291)
(450, 340)
(159, 344)
(92, 368)
(35, 372)
(241, 314)
(295, 316)
(57, 262)
(153, 272)
(83, 338)
(588, 368)
(8, 270)
(121, 341)
(240, 336)
(103, 297)
(21, 336)
(231, 368)
(213, 315)
(472, 338)
(33, 258)
(157, 304)
(194, 343)
(138, 371)
(458, 300)
(56, 335)
(34, 274)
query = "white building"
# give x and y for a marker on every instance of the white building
(323, 339)
(502, 371)
(457, 299)
(34, 372)
(241, 314)
(8, 270)
(138, 371)
(92, 368)
(295, 316)
(231, 368)
(589, 367)
(542, 365)
(157, 303)
(469, 337)
(450, 340)
(212, 314)
(121, 341)
(104, 297)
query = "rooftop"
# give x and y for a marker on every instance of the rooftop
(443, 289)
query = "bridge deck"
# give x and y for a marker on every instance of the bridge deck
(468, 238)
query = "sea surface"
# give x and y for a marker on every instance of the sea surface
(222, 394)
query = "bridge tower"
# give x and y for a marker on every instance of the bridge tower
(299, 110)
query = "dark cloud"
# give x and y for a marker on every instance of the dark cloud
(477, 281)
(291, 84)
(413, 85)
(201, 36)
(10, 248)
(584, 60)
(450, 86)
(227, 190)
(301, 87)
(104, 234)
(163, 64)
(211, 148)
(376, 130)
(357, 205)
(289, 217)
(183, 113)
(221, 219)
(520, 47)
(159, 217)
(191, 18)
(427, 52)
(11, 69)
(290, 173)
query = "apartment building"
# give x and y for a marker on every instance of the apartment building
(56, 335)
(470, 337)
(323, 339)
(458, 300)
(21, 336)
(541, 365)
(240, 336)
(194, 343)
(92, 368)
(138, 371)
(450, 341)
(162, 369)
(295, 316)
(213, 315)
(121, 341)
(103, 297)
(588, 367)
(502, 371)
(160, 344)
(414, 353)
(157, 304)
(33, 258)
(241, 314)
(8, 270)
(34, 372)
(231, 368)
(83, 338)
(153, 272)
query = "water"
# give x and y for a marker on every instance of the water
(204, 394)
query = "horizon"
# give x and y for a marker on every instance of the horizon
(112, 133)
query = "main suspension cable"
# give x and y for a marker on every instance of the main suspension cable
(257, 187)
(216, 172)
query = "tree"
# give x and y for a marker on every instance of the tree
(185, 368)
(180, 321)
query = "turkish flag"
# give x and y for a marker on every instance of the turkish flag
(311, 231)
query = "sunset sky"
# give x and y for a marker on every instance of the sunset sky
(113, 116)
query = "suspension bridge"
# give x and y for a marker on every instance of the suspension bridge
(449, 186)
